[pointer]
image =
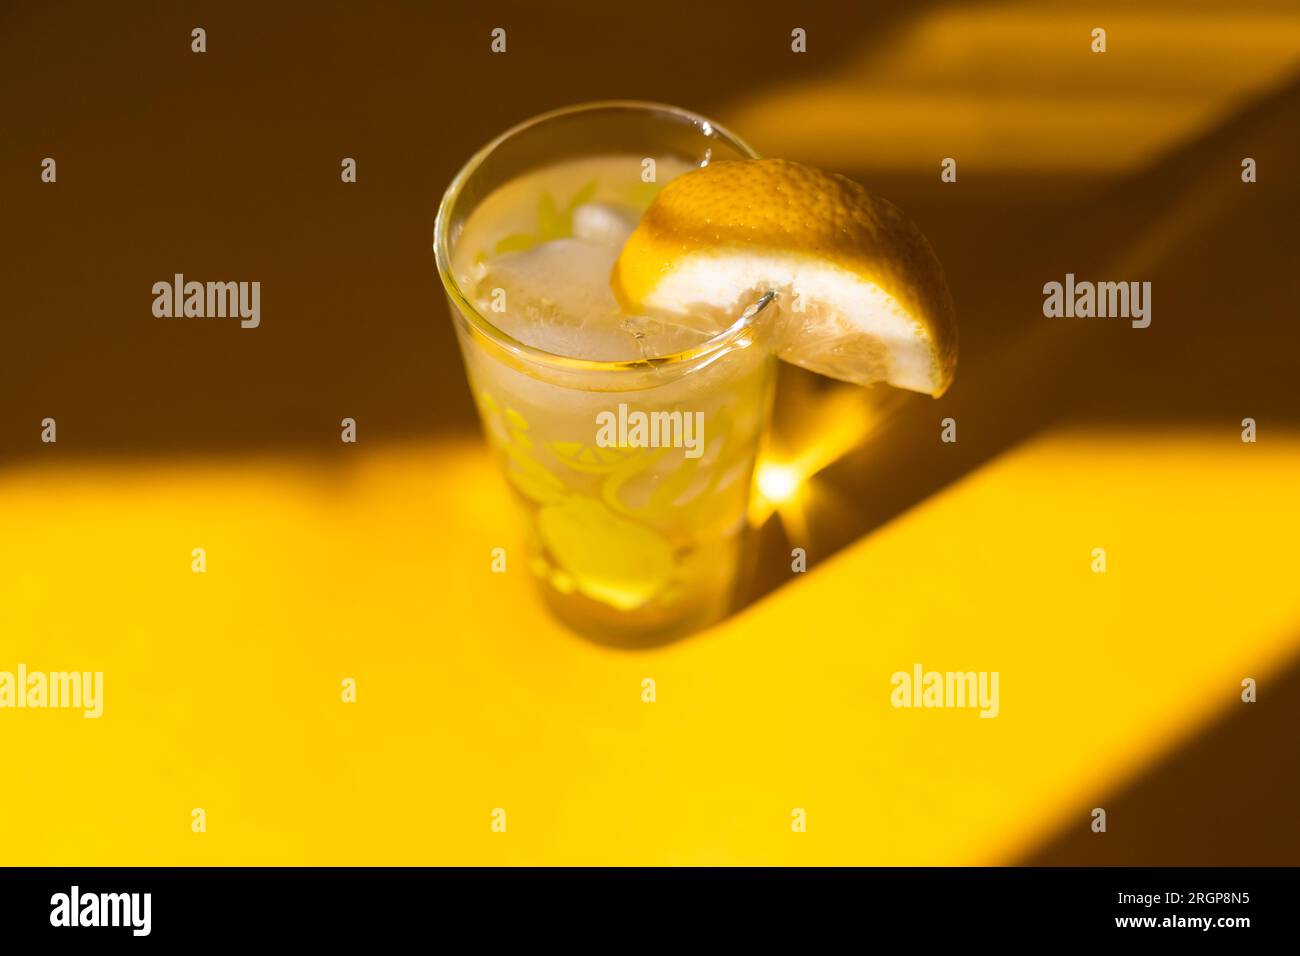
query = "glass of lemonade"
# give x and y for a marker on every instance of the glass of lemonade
(628, 441)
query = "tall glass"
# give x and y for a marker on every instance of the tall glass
(629, 542)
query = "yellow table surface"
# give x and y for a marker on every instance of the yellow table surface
(223, 689)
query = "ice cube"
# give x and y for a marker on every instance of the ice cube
(605, 223)
(556, 297)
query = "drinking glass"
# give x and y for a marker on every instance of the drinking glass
(627, 542)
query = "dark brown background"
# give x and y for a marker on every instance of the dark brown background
(225, 166)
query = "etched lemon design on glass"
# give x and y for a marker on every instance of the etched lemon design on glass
(617, 525)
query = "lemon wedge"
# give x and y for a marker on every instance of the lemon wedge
(861, 294)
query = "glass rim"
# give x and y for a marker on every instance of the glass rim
(703, 353)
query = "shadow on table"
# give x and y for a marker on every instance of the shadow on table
(1220, 347)
(1226, 798)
